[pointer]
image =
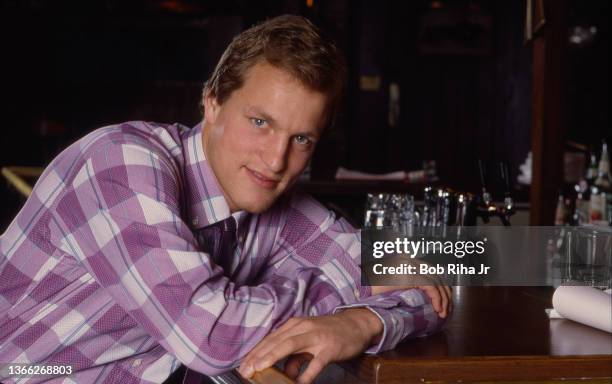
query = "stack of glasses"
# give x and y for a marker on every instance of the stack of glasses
(393, 211)
(441, 207)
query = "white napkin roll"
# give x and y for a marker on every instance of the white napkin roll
(586, 305)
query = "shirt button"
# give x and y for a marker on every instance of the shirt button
(195, 221)
(137, 362)
(357, 294)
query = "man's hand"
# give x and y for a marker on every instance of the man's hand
(319, 340)
(440, 295)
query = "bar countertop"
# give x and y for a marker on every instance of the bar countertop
(495, 334)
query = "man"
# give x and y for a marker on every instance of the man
(147, 246)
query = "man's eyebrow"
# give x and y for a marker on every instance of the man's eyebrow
(256, 111)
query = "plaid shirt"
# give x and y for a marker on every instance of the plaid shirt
(111, 265)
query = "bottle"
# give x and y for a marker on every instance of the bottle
(601, 194)
(560, 211)
(603, 170)
(597, 205)
(591, 174)
(583, 192)
(581, 211)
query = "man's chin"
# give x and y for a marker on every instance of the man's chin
(258, 205)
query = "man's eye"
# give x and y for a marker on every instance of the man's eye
(258, 122)
(302, 140)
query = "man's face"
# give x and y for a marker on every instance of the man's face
(261, 138)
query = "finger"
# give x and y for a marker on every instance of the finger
(315, 366)
(294, 364)
(449, 295)
(451, 305)
(248, 365)
(289, 346)
(444, 297)
(277, 339)
(287, 325)
(292, 322)
(439, 306)
(268, 342)
(434, 295)
(449, 292)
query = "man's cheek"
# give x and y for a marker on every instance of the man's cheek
(299, 161)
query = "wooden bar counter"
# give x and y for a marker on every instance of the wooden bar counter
(496, 334)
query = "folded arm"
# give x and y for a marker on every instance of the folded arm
(333, 246)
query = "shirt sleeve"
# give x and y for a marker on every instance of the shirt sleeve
(313, 237)
(120, 217)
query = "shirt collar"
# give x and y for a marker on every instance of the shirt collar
(205, 202)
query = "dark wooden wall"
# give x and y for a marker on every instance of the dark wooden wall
(469, 99)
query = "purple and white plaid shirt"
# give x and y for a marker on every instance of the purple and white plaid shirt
(111, 266)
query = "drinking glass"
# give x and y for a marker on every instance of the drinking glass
(589, 256)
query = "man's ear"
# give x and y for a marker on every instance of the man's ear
(211, 108)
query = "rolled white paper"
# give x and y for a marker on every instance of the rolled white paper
(586, 305)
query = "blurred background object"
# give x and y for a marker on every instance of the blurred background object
(451, 81)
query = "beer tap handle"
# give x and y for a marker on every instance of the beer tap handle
(505, 175)
(486, 197)
(481, 172)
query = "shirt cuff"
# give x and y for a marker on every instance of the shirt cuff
(387, 319)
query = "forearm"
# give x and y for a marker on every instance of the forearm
(335, 251)
(403, 314)
(366, 321)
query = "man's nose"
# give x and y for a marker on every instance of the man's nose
(274, 153)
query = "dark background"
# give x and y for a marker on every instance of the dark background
(463, 69)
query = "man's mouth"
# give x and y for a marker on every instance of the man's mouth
(261, 180)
